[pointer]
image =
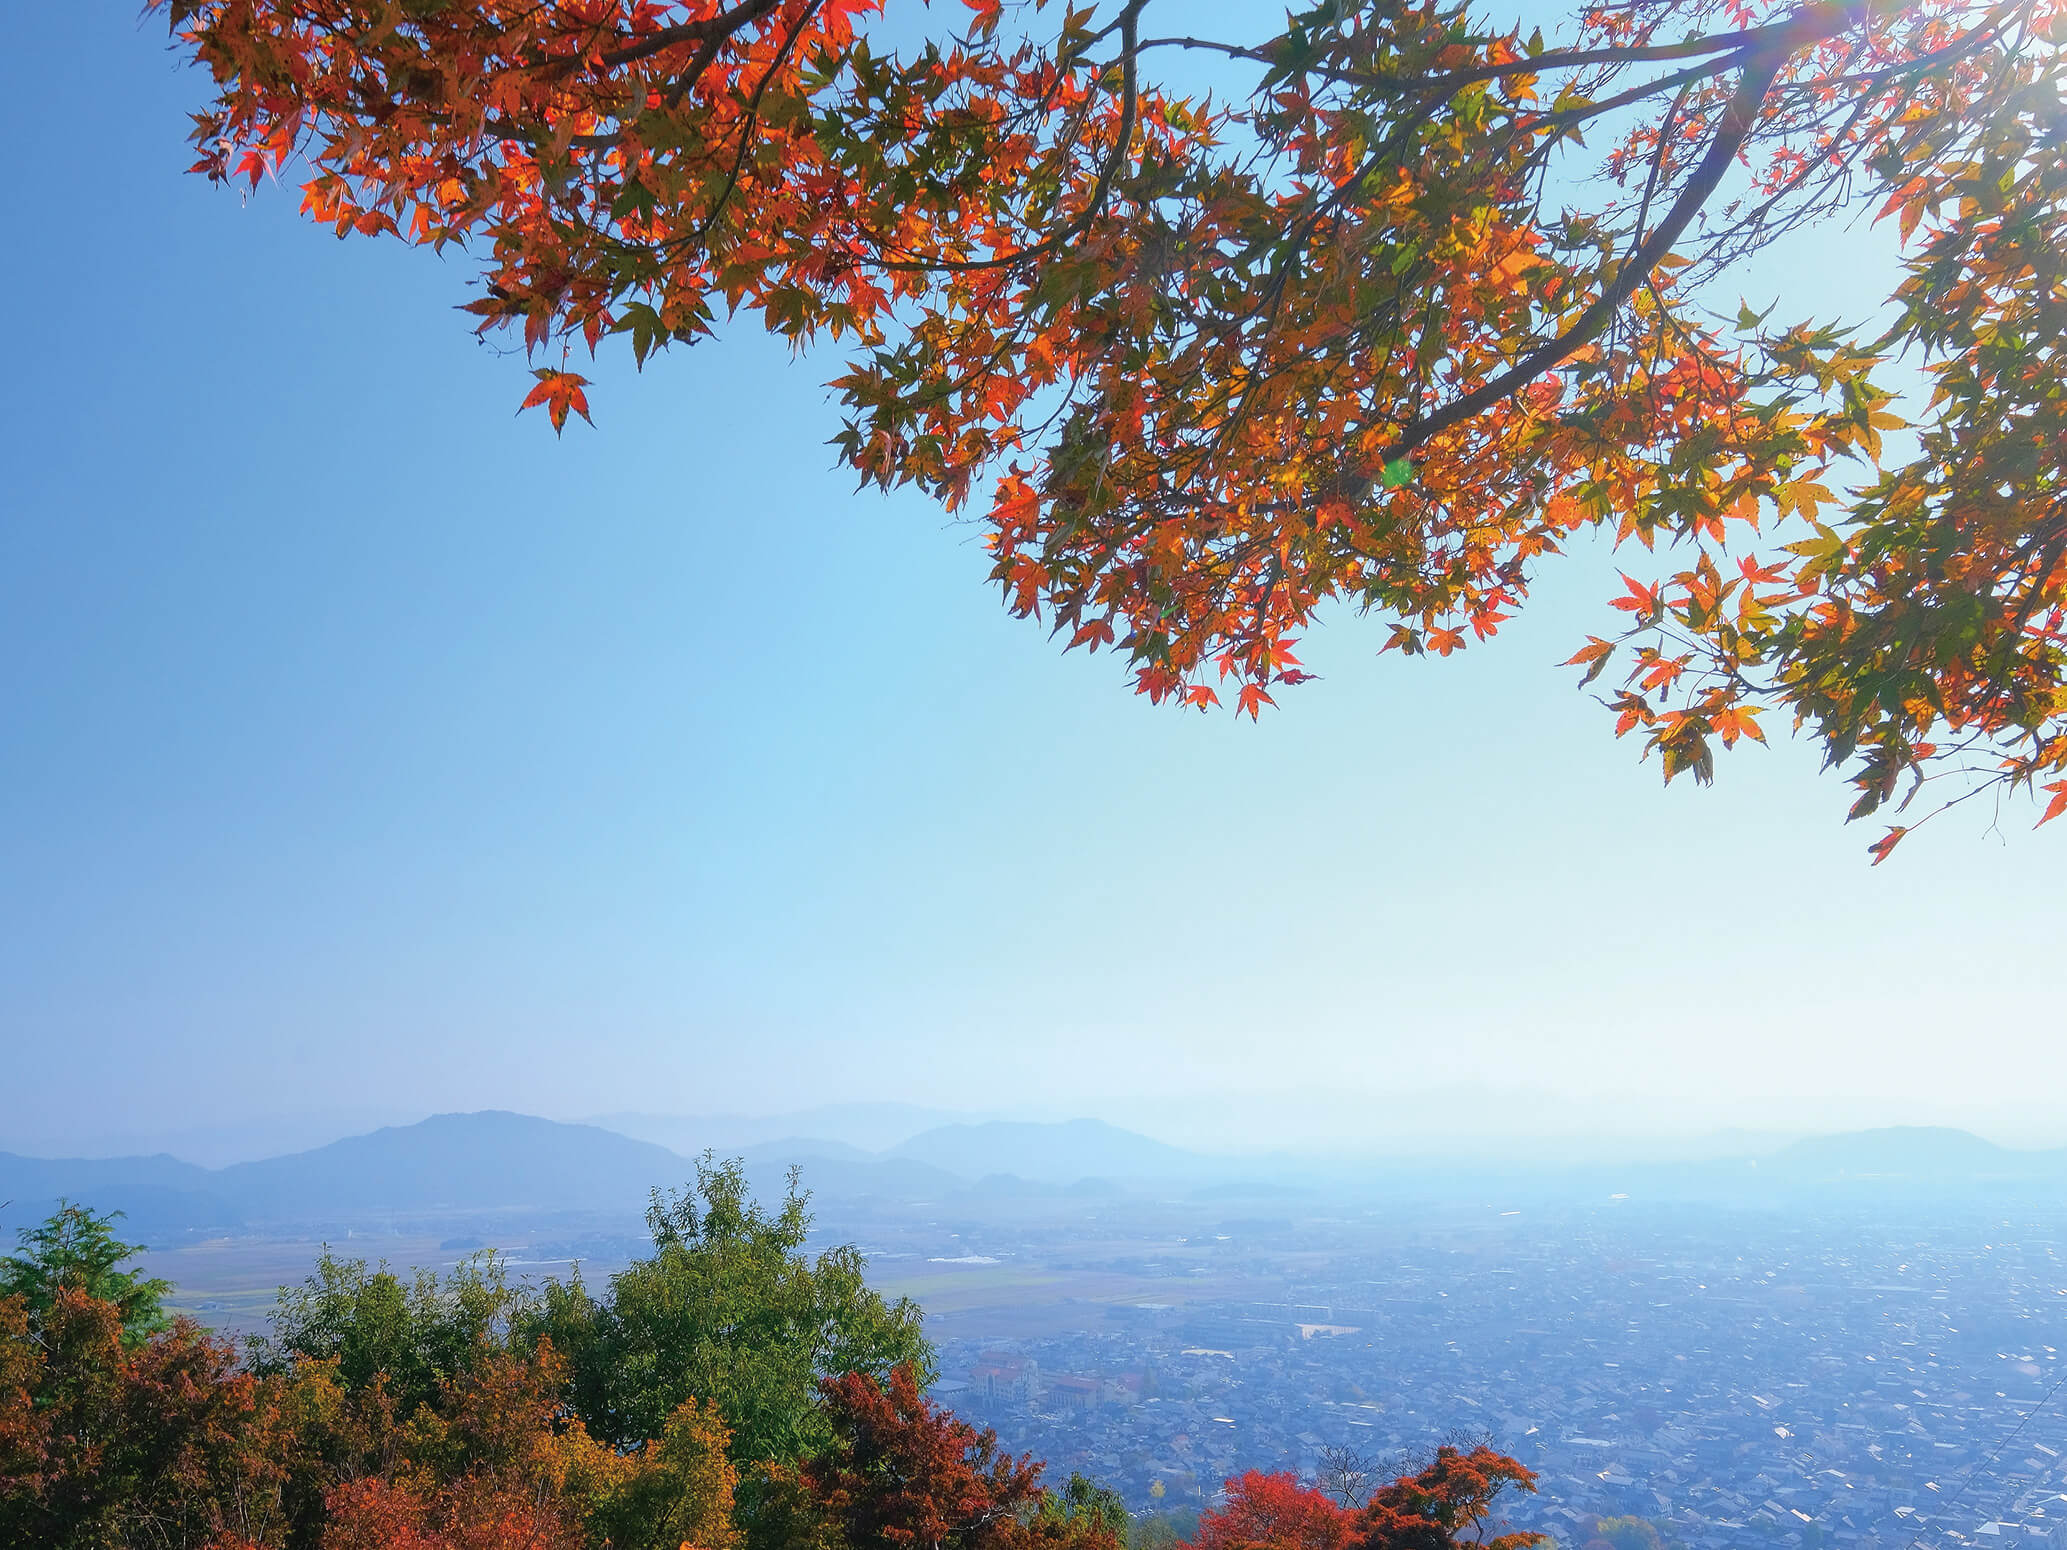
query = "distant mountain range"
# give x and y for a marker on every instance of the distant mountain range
(497, 1162)
(1917, 1153)
(449, 1164)
(1904, 1150)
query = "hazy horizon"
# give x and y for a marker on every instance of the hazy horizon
(1513, 1125)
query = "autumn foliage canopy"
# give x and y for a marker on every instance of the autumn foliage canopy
(121, 1427)
(1420, 303)
(1446, 1503)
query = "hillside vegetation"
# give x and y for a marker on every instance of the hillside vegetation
(726, 1392)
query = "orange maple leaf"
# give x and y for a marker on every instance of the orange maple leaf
(559, 391)
(2058, 805)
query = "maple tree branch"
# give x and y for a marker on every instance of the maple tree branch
(1749, 39)
(702, 62)
(1658, 158)
(747, 125)
(1967, 43)
(504, 129)
(1582, 112)
(1761, 68)
(1108, 172)
(2051, 531)
(721, 26)
(715, 32)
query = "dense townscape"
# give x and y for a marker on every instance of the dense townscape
(1738, 1379)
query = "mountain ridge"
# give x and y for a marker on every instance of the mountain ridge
(485, 1161)
(498, 1161)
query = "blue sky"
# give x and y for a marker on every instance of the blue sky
(365, 752)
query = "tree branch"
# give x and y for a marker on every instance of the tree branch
(723, 25)
(1761, 67)
(1784, 35)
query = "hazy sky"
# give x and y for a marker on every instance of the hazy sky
(366, 752)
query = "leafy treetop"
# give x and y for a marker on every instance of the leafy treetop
(412, 1336)
(1274, 1509)
(1445, 1503)
(729, 1309)
(902, 1474)
(77, 1248)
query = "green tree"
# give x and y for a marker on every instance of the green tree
(415, 1335)
(1163, 1530)
(1634, 1534)
(78, 1247)
(1085, 1504)
(730, 1310)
